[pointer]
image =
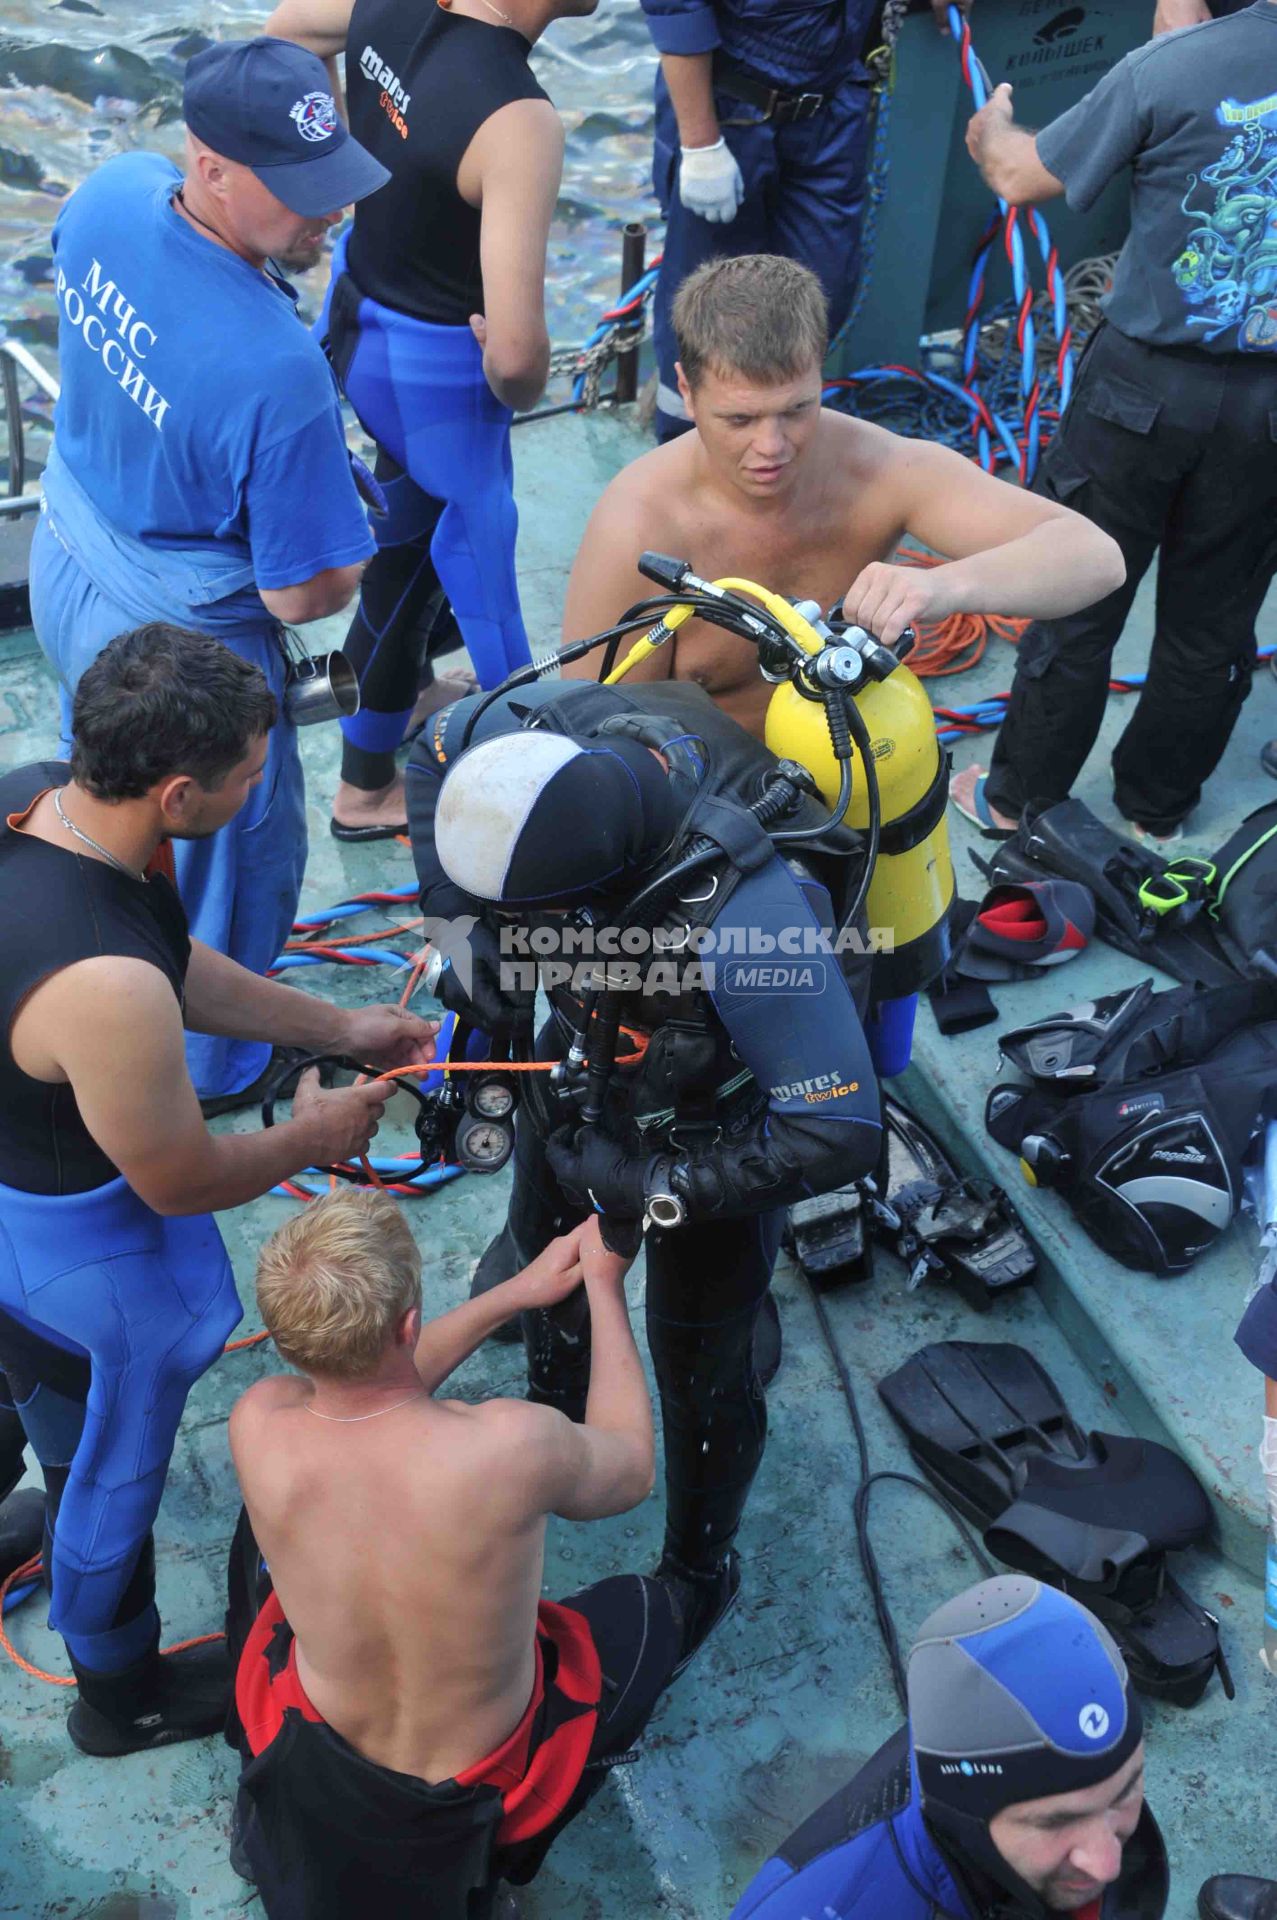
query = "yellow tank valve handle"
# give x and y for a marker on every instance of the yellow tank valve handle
(1028, 1173)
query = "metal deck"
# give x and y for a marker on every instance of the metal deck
(794, 1691)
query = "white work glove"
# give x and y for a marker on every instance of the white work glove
(709, 181)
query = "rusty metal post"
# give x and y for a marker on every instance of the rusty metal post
(633, 257)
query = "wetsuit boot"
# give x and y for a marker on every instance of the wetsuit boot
(701, 1599)
(1237, 1896)
(157, 1702)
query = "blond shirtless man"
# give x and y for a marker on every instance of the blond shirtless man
(416, 1722)
(775, 487)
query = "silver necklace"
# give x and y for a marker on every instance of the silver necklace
(503, 17)
(89, 841)
(353, 1419)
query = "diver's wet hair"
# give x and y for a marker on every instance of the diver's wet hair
(759, 315)
(161, 701)
(334, 1282)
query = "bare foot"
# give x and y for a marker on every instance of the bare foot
(382, 807)
(962, 789)
(441, 693)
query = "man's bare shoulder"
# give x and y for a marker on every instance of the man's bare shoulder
(858, 446)
(260, 1401)
(505, 1425)
(651, 484)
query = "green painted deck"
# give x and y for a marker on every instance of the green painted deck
(794, 1691)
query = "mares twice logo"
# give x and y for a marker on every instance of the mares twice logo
(822, 1087)
(315, 116)
(1093, 1720)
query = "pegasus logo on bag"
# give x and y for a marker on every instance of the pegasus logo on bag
(1192, 1155)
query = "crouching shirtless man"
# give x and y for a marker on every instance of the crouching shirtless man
(415, 1721)
(776, 487)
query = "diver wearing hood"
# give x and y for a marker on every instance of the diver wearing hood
(549, 836)
(1014, 1792)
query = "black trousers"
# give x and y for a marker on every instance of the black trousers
(705, 1286)
(1162, 447)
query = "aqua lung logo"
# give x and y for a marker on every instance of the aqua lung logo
(971, 1769)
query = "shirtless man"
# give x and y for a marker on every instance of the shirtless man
(471, 1705)
(776, 488)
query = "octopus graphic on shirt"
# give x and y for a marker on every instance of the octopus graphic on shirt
(1227, 269)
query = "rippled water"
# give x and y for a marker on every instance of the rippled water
(81, 80)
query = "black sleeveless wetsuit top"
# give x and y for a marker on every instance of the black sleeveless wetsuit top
(420, 83)
(57, 907)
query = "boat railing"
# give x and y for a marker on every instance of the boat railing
(15, 359)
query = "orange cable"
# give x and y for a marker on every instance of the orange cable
(958, 642)
(33, 1569)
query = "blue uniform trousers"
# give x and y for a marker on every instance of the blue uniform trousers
(240, 886)
(804, 197)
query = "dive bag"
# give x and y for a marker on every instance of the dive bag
(1140, 1108)
(1094, 1514)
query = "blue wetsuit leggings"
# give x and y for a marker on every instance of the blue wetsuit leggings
(419, 390)
(108, 1315)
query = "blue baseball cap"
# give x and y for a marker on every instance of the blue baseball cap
(268, 104)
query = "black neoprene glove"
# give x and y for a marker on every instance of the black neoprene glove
(471, 984)
(598, 1174)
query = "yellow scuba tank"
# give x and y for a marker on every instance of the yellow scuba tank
(911, 890)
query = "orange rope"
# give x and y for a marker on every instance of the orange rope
(34, 1569)
(953, 645)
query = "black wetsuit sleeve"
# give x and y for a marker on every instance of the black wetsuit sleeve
(780, 993)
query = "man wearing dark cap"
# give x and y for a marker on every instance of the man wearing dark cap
(199, 472)
(1015, 1789)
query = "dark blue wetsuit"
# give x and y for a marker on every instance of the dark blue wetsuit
(869, 1853)
(108, 1312)
(802, 154)
(762, 1081)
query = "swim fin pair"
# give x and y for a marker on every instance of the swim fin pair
(941, 1223)
(1094, 1514)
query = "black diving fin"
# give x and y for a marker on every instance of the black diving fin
(1093, 1514)
(943, 1224)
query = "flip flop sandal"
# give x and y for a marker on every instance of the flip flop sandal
(341, 832)
(979, 815)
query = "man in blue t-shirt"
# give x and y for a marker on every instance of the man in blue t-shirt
(1168, 440)
(199, 472)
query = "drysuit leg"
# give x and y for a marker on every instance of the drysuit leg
(420, 391)
(147, 1304)
(557, 1341)
(705, 1286)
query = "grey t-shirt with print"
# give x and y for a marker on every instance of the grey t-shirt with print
(1194, 113)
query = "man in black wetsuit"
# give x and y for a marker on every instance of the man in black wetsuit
(436, 325)
(115, 1289)
(755, 1087)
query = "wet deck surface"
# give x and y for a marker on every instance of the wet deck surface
(794, 1691)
